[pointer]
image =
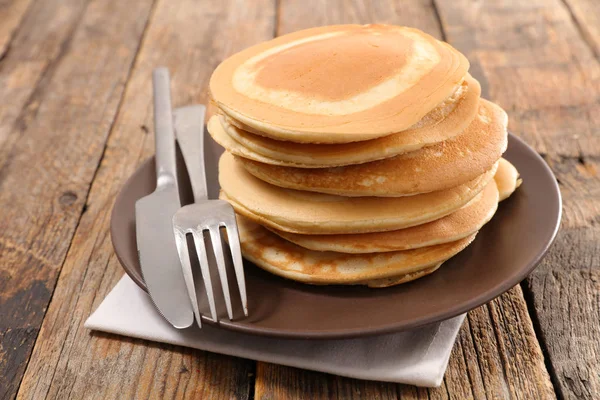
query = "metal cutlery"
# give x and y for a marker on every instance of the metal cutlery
(153, 213)
(204, 215)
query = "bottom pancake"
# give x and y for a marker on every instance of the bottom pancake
(286, 259)
(397, 280)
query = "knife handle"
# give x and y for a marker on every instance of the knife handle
(189, 128)
(164, 134)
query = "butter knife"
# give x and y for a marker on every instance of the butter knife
(157, 250)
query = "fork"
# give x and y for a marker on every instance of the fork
(204, 215)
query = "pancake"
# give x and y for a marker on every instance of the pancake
(507, 179)
(338, 84)
(402, 278)
(442, 123)
(441, 166)
(458, 225)
(312, 213)
(283, 258)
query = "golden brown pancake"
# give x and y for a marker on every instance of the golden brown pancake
(313, 213)
(283, 258)
(445, 121)
(507, 179)
(438, 167)
(462, 223)
(338, 84)
(399, 279)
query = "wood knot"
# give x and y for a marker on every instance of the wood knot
(67, 198)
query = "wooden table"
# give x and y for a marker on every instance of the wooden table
(75, 98)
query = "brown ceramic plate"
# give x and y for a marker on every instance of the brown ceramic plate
(503, 254)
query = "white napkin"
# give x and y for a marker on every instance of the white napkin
(418, 357)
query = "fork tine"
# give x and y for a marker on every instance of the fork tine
(201, 251)
(238, 264)
(184, 257)
(215, 237)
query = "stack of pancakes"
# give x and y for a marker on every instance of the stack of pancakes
(357, 154)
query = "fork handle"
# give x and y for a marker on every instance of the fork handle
(189, 128)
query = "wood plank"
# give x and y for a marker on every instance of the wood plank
(11, 14)
(295, 15)
(36, 50)
(497, 354)
(531, 60)
(278, 382)
(587, 17)
(537, 65)
(70, 362)
(46, 174)
(565, 289)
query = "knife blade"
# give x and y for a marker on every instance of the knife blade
(157, 250)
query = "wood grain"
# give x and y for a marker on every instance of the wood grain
(295, 15)
(537, 64)
(531, 59)
(11, 14)
(565, 289)
(586, 14)
(278, 382)
(48, 168)
(70, 362)
(498, 354)
(36, 50)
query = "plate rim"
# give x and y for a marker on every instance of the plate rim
(444, 314)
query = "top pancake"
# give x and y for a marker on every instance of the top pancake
(329, 84)
(447, 120)
(444, 165)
